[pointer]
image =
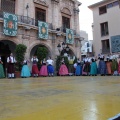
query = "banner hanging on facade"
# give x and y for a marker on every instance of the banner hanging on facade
(69, 36)
(10, 24)
(43, 30)
(115, 43)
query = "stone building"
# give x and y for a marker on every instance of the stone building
(58, 14)
(106, 27)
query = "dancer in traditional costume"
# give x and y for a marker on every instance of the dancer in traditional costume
(71, 65)
(63, 68)
(115, 67)
(119, 68)
(50, 67)
(43, 69)
(2, 74)
(102, 66)
(35, 70)
(109, 65)
(25, 69)
(86, 67)
(78, 70)
(93, 68)
(10, 69)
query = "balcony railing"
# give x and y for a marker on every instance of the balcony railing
(63, 29)
(27, 20)
(34, 22)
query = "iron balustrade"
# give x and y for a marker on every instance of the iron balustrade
(27, 20)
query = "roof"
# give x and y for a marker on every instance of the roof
(99, 3)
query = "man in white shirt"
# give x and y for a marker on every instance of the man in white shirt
(10, 69)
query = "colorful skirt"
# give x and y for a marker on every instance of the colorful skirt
(2, 75)
(43, 71)
(25, 71)
(10, 68)
(63, 70)
(50, 69)
(78, 70)
(35, 69)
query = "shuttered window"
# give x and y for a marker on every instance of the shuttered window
(8, 6)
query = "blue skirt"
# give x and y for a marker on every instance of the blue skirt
(78, 70)
(50, 69)
(25, 71)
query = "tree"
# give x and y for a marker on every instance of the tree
(20, 53)
(41, 54)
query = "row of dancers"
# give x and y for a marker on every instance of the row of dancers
(87, 67)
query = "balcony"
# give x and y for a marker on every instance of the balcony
(63, 29)
(27, 20)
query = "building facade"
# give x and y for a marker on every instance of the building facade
(58, 14)
(106, 27)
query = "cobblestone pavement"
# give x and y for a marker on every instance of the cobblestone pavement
(60, 98)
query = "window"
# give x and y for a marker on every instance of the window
(115, 3)
(102, 10)
(105, 46)
(110, 5)
(65, 22)
(104, 29)
(8, 6)
(40, 14)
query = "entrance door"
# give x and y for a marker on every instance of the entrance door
(6, 47)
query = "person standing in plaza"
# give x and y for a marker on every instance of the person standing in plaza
(109, 66)
(115, 66)
(63, 68)
(71, 65)
(2, 74)
(35, 70)
(25, 69)
(78, 70)
(10, 69)
(102, 66)
(93, 67)
(50, 67)
(43, 69)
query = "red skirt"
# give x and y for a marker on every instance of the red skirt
(10, 68)
(35, 69)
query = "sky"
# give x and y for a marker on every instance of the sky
(86, 17)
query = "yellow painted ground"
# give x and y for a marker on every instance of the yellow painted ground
(60, 98)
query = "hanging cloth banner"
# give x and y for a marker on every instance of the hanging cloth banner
(69, 36)
(10, 24)
(43, 30)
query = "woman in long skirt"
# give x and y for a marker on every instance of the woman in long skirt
(93, 68)
(35, 70)
(102, 66)
(25, 69)
(2, 75)
(43, 69)
(63, 69)
(109, 66)
(78, 70)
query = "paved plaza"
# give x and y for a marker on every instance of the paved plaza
(60, 98)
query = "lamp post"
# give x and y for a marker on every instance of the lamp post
(27, 7)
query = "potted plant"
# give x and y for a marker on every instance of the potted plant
(19, 53)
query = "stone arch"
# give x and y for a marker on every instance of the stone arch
(16, 41)
(72, 50)
(38, 44)
(66, 10)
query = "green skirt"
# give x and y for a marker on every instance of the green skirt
(2, 75)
